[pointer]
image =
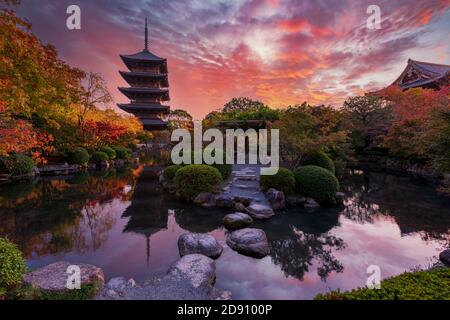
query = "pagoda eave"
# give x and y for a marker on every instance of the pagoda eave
(130, 77)
(135, 93)
(144, 107)
(154, 124)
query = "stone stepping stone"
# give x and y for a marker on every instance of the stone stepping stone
(260, 211)
(237, 220)
(249, 241)
(199, 243)
(54, 276)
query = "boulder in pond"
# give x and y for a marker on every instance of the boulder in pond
(225, 200)
(239, 206)
(311, 204)
(276, 199)
(295, 200)
(249, 241)
(260, 211)
(199, 270)
(205, 199)
(54, 276)
(237, 220)
(339, 196)
(199, 243)
(444, 256)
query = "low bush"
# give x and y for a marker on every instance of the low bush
(122, 153)
(319, 159)
(99, 156)
(196, 178)
(17, 164)
(283, 181)
(420, 285)
(78, 156)
(169, 173)
(109, 151)
(12, 265)
(316, 182)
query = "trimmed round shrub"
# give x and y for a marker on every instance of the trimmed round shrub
(122, 153)
(109, 151)
(196, 178)
(316, 182)
(320, 159)
(17, 164)
(170, 171)
(99, 156)
(12, 265)
(78, 156)
(283, 181)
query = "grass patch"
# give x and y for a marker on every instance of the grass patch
(30, 293)
(420, 285)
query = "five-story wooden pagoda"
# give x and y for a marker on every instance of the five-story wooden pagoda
(148, 87)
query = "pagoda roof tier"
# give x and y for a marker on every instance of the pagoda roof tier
(139, 92)
(154, 124)
(144, 58)
(422, 74)
(130, 76)
(144, 107)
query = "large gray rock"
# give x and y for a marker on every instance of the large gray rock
(260, 211)
(190, 278)
(225, 200)
(311, 204)
(205, 199)
(249, 241)
(276, 199)
(198, 269)
(191, 243)
(339, 197)
(237, 220)
(295, 200)
(54, 277)
(444, 256)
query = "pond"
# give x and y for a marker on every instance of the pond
(122, 222)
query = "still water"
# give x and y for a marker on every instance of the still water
(122, 222)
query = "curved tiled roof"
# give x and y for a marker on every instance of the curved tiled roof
(430, 73)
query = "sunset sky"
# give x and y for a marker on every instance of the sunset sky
(278, 51)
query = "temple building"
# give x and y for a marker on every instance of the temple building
(424, 75)
(148, 91)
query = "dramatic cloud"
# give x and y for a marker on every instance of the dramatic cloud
(280, 51)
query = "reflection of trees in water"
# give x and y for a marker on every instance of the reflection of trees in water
(415, 206)
(57, 215)
(298, 251)
(299, 240)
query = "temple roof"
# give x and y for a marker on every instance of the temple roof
(128, 76)
(133, 92)
(418, 74)
(144, 55)
(143, 107)
(153, 124)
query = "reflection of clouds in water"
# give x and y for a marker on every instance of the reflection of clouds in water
(381, 243)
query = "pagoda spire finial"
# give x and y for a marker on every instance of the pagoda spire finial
(146, 34)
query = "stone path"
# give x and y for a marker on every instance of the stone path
(244, 182)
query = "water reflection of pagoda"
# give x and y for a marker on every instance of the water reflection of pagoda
(148, 87)
(147, 213)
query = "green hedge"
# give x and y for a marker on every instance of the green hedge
(109, 151)
(316, 182)
(421, 285)
(196, 178)
(78, 156)
(122, 153)
(169, 173)
(17, 164)
(284, 181)
(319, 159)
(99, 156)
(12, 265)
